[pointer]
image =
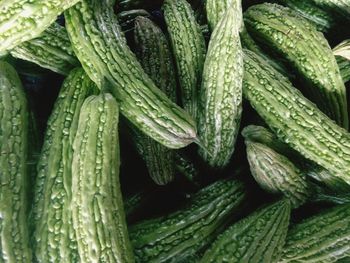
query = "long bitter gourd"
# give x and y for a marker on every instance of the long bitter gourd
(323, 238)
(51, 50)
(53, 233)
(174, 237)
(97, 206)
(23, 20)
(256, 238)
(153, 51)
(295, 120)
(290, 35)
(189, 50)
(14, 232)
(93, 21)
(221, 93)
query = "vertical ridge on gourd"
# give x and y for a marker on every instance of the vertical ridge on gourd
(290, 35)
(216, 10)
(344, 67)
(295, 120)
(220, 106)
(51, 50)
(177, 236)
(92, 21)
(53, 233)
(256, 238)
(323, 238)
(153, 51)
(14, 231)
(189, 50)
(22, 20)
(320, 18)
(276, 173)
(97, 206)
(338, 8)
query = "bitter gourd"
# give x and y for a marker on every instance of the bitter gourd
(53, 234)
(338, 8)
(189, 50)
(216, 10)
(51, 50)
(153, 51)
(323, 238)
(308, 52)
(344, 67)
(97, 206)
(256, 238)
(276, 173)
(127, 19)
(23, 20)
(174, 237)
(321, 19)
(14, 232)
(221, 93)
(91, 22)
(294, 119)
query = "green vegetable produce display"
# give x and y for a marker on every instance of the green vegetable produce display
(174, 131)
(14, 230)
(307, 51)
(111, 63)
(97, 205)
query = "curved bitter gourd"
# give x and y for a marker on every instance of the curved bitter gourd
(141, 102)
(256, 238)
(189, 50)
(23, 20)
(287, 33)
(14, 231)
(177, 236)
(54, 239)
(294, 119)
(51, 50)
(97, 206)
(220, 107)
(152, 49)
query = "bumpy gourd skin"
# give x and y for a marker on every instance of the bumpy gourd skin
(51, 50)
(14, 233)
(256, 238)
(324, 238)
(306, 50)
(221, 92)
(22, 20)
(294, 119)
(177, 236)
(54, 239)
(338, 8)
(97, 205)
(153, 52)
(188, 48)
(276, 173)
(101, 48)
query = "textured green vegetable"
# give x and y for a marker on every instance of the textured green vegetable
(22, 20)
(217, 9)
(320, 18)
(189, 50)
(51, 50)
(221, 93)
(257, 238)
(276, 173)
(154, 54)
(126, 19)
(338, 8)
(140, 101)
(344, 67)
(323, 238)
(187, 168)
(308, 52)
(14, 234)
(174, 237)
(295, 120)
(54, 239)
(97, 204)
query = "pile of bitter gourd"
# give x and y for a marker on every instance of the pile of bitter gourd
(174, 131)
